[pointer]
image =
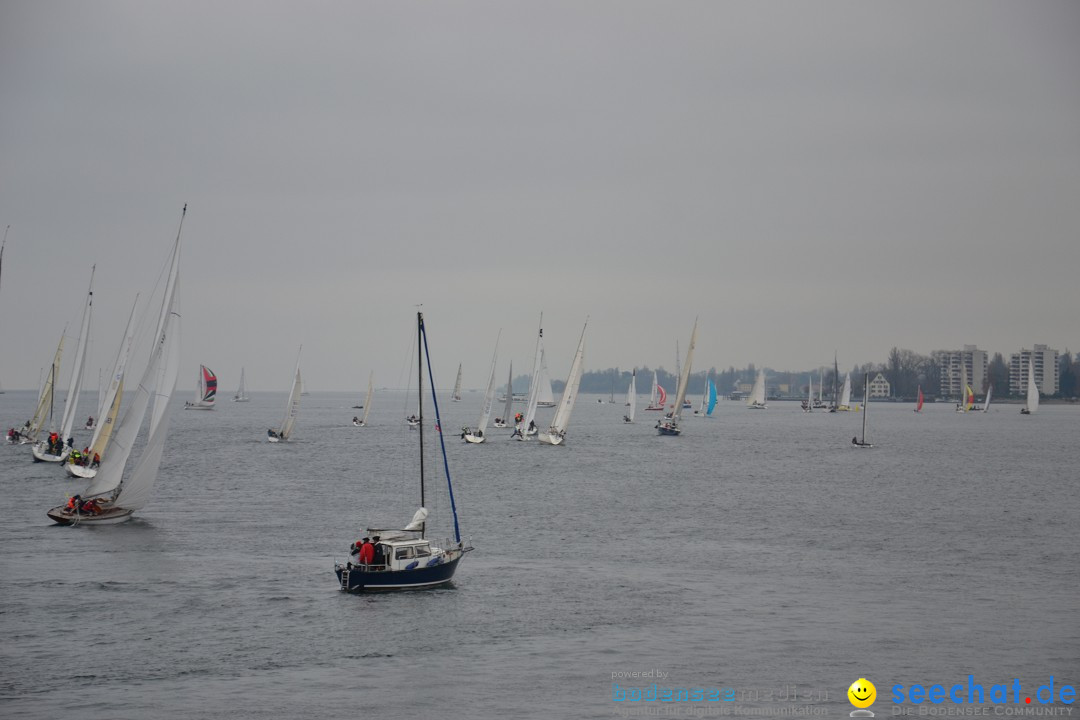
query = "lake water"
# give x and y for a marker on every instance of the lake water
(758, 552)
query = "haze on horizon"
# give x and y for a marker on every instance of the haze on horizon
(802, 178)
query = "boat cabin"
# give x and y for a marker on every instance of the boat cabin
(407, 553)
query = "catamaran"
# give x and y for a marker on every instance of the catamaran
(477, 436)
(556, 433)
(292, 408)
(112, 497)
(62, 447)
(407, 559)
(669, 424)
(241, 392)
(206, 393)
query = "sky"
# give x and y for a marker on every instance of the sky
(801, 178)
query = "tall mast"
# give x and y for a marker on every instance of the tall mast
(865, 398)
(420, 403)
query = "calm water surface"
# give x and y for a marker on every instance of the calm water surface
(757, 551)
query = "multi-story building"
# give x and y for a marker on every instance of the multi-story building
(1043, 361)
(971, 362)
(879, 387)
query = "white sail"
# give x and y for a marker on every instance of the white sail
(544, 395)
(456, 396)
(631, 395)
(655, 386)
(534, 386)
(561, 421)
(508, 408)
(75, 387)
(757, 394)
(845, 394)
(45, 397)
(489, 394)
(110, 408)
(159, 379)
(684, 378)
(241, 391)
(367, 399)
(986, 403)
(292, 408)
(1032, 390)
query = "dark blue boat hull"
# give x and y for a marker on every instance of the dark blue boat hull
(358, 580)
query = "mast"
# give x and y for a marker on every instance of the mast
(835, 379)
(420, 403)
(442, 439)
(865, 399)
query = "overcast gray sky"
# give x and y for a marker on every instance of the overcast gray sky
(803, 177)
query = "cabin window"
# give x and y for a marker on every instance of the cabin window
(403, 553)
(423, 551)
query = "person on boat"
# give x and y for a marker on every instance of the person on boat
(517, 431)
(379, 558)
(73, 503)
(499, 421)
(90, 507)
(271, 433)
(854, 440)
(96, 461)
(532, 427)
(75, 457)
(90, 421)
(355, 420)
(367, 552)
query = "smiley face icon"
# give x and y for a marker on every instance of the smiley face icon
(862, 693)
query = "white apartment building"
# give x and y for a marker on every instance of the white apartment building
(1044, 361)
(954, 364)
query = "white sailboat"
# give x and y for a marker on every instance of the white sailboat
(508, 408)
(206, 393)
(756, 401)
(477, 436)
(1032, 403)
(820, 402)
(669, 424)
(861, 443)
(845, 395)
(556, 433)
(62, 447)
(808, 403)
(545, 397)
(658, 396)
(527, 425)
(986, 402)
(112, 497)
(456, 395)
(241, 392)
(292, 408)
(631, 397)
(362, 422)
(86, 466)
(32, 429)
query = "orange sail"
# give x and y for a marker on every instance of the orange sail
(918, 404)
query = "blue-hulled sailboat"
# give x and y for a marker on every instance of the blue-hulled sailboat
(406, 559)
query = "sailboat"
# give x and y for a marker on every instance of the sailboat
(631, 397)
(477, 436)
(241, 392)
(678, 373)
(112, 497)
(845, 395)
(808, 404)
(556, 433)
(526, 426)
(861, 443)
(919, 402)
(456, 395)
(292, 408)
(658, 397)
(986, 402)
(819, 404)
(361, 422)
(206, 392)
(756, 401)
(708, 399)
(508, 408)
(91, 422)
(44, 410)
(545, 398)
(406, 559)
(62, 448)
(669, 424)
(1032, 403)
